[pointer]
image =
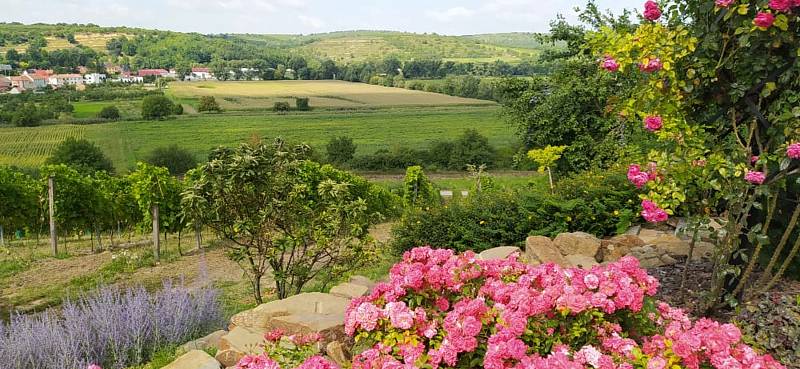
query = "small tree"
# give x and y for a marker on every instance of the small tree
(545, 158)
(110, 112)
(302, 104)
(208, 103)
(281, 107)
(176, 159)
(280, 211)
(471, 148)
(177, 109)
(19, 196)
(157, 192)
(341, 150)
(82, 155)
(26, 116)
(156, 107)
(418, 190)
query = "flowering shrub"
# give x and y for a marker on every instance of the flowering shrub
(440, 309)
(296, 351)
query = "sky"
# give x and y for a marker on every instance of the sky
(306, 16)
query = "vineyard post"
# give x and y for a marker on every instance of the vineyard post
(2, 237)
(52, 209)
(156, 240)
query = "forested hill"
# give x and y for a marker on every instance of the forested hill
(61, 45)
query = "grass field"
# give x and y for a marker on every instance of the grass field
(90, 109)
(260, 95)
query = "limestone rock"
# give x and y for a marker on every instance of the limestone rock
(194, 359)
(645, 252)
(337, 354)
(649, 263)
(313, 302)
(668, 260)
(581, 261)
(615, 248)
(648, 235)
(670, 244)
(498, 253)
(243, 340)
(228, 358)
(540, 249)
(349, 290)
(209, 341)
(634, 230)
(577, 243)
(330, 327)
(363, 281)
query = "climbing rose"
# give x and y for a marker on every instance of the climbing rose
(610, 64)
(755, 177)
(653, 123)
(764, 20)
(653, 65)
(724, 3)
(793, 151)
(652, 213)
(637, 177)
(651, 11)
(781, 5)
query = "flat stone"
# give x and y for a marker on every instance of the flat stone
(649, 263)
(228, 358)
(499, 253)
(540, 249)
(313, 302)
(194, 359)
(645, 252)
(243, 340)
(581, 261)
(349, 290)
(648, 235)
(615, 248)
(577, 243)
(337, 354)
(363, 281)
(330, 327)
(668, 260)
(209, 341)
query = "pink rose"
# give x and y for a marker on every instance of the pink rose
(652, 213)
(724, 3)
(781, 5)
(610, 64)
(656, 363)
(591, 281)
(653, 65)
(653, 123)
(637, 177)
(764, 20)
(793, 151)
(651, 11)
(754, 159)
(755, 177)
(274, 335)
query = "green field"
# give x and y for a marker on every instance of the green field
(260, 95)
(129, 141)
(90, 109)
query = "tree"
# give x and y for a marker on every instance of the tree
(341, 150)
(176, 159)
(19, 194)
(280, 211)
(81, 154)
(281, 107)
(302, 104)
(26, 116)
(545, 158)
(110, 112)
(208, 103)
(471, 148)
(156, 107)
(418, 190)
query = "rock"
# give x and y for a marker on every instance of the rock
(243, 340)
(540, 249)
(645, 252)
(313, 302)
(648, 235)
(194, 359)
(668, 260)
(577, 243)
(349, 290)
(209, 341)
(228, 358)
(615, 248)
(671, 244)
(634, 230)
(330, 327)
(363, 281)
(336, 353)
(498, 253)
(581, 261)
(650, 263)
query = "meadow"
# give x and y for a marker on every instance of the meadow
(260, 95)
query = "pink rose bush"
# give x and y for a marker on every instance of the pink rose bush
(297, 351)
(441, 309)
(724, 3)
(653, 213)
(764, 20)
(610, 64)
(651, 66)
(653, 123)
(755, 177)
(793, 151)
(639, 178)
(652, 11)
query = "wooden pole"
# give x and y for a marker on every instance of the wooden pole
(51, 199)
(2, 236)
(156, 239)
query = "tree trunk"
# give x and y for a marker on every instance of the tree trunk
(180, 253)
(198, 237)
(99, 240)
(257, 289)
(2, 237)
(550, 176)
(52, 210)
(156, 236)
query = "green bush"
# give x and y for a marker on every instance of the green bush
(208, 104)
(302, 104)
(177, 109)
(340, 150)
(157, 107)
(176, 159)
(281, 107)
(596, 203)
(109, 112)
(772, 324)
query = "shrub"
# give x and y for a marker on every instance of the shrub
(156, 107)
(773, 324)
(26, 116)
(281, 107)
(176, 159)
(280, 351)
(112, 327)
(82, 155)
(439, 309)
(302, 104)
(209, 104)
(341, 150)
(109, 112)
(177, 109)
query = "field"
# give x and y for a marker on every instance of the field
(260, 95)
(90, 109)
(30, 147)
(95, 41)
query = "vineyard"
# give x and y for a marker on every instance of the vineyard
(30, 147)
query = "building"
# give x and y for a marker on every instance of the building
(82, 69)
(22, 83)
(112, 68)
(59, 80)
(94, 78)
(126, 77)
(46, 73)
(38, 77)
(153, 72)
(5, 68)
(5, 84)
(199, 74)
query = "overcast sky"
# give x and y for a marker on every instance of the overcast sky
(305, 16)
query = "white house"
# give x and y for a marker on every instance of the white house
(127, 77)
(58, 80)
(94, 78)
(199, 74)
(22, 83)
(39, 81)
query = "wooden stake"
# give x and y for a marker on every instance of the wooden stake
(156, 239)
(51, 200)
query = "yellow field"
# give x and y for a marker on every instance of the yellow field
(323, 94)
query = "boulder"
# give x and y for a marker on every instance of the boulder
(330, 327)
(581, 261)
(337, 354)
(243, 340)
(363, 281)
(498, 253)
(349, 290)
(668, 260)
(577, 243)
(648, 235)
(209, 341)
(671, 244)
(650, 263)
(645, 252)
(228, 358)
(540, 249)
(313, 302)
(615, 248)
(634, 230)
(194, 359)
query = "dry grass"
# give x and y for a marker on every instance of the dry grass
(323, 94)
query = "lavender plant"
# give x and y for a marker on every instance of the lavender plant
(114, 328)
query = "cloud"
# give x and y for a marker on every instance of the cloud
(312, 22)
(451, 14)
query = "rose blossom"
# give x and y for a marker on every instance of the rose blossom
(755, 177)
(637, 177)
(754, 159)
(651, 11)
(274, 335)
(610, 64)
(653, 123)
(724, 3)
(764, 20)
(652, 213)
(793, 151)
(781, 5)
(652, 65)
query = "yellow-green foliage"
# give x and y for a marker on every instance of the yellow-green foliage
(546, 157)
